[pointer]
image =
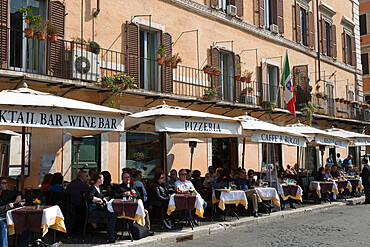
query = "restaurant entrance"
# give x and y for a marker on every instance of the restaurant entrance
(225, 153)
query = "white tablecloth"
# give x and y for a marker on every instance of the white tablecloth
(315, 185)
(269, 194)
(139, 215)
(52, 217)
(298, 196)
(230, 197)
(360, 186)
(199, 210)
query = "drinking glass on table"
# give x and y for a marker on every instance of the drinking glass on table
(23, 202)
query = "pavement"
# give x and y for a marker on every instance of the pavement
(212, 230)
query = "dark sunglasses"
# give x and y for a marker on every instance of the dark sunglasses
(4, 183)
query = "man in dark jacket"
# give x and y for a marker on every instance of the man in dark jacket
(8, 200)
(365, 174)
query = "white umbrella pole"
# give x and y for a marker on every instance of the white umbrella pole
(23, 157)
(165, 166)
(2, 150)
(243, 156)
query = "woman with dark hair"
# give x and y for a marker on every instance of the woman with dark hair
(221, 178)
(138, 175)
(46, 181)
(56, 182)
(281, 176)
(97, 205)
(160, 197)
(107, 184)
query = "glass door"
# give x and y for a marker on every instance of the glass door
(272, 80)
(148, 62)
(25, 54)
(226, 75)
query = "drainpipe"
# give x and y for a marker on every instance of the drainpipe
(318, 40)
(95, 12)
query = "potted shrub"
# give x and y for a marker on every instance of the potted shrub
(248, 91)
(237, 78)
(318, 87)
(213, 93)
(118, 82)
(31, 19)
(341, 100)
(355, 104)
(41, 29)
(208, 69)
(337, 99)
(268, 105)
(94, 47)
(216, 71)
(52, 33)
(248, 76)
(161, 52)
(173, 60)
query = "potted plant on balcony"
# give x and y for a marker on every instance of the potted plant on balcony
(248, 91)
(308, 110)
(52, 33)
(41, 29)
(31, 19)
(94, 47)
(247, 75)
(173, 60)
(118, 82)
(318, 87)
(325, 97)
(319, 95)
(212, 93)
(341, 100)
(337, 99)
(268, 105)
(161, 52)
(355, 104)
(216, 71)
(80, 44)
(208, 69)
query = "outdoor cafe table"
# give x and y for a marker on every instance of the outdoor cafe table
(323, 187)
(37, 220)
(356, 182)
(227, 196)
(180, 202)
(343, 184)
(269, 194)
(128, 209)
(292, 191)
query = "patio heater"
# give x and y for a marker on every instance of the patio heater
(77, 142)
(192, 145)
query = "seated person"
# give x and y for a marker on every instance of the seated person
(197, 182)
(241, 184)
(340, 171)
(221, 177)
(183, 186)
(97, 207)
(234, 174)
(351, 171)
(210, 177)
(107, 184)
(290, 171)
(46, 181)
(320, 175)
(228, 176)
(173, 178)
(160, 197)
(9, 200)
(334, 172)
(327, 174)
(251, 182)
(92, 171)
(281, 177)
(127, 188)
(138, 175)
(56, 182)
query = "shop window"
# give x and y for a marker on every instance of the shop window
(143, 152)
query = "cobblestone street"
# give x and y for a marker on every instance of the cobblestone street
(344, 226)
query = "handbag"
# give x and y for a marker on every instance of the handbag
(139, 231)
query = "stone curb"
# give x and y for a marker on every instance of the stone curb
(198, 232)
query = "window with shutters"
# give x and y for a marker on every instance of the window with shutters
(348, 48)
(304, 29)
(328, 38)
(365, 63)
(222, 6)
(25, 54)
(363, 24)
(272, 83)
(149, 41)
(227, 74)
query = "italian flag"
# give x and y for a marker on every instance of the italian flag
(286, 82)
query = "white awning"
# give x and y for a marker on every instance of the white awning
(357, 139)
(30, 108)
(318, 136)
(182, 122)
(261, 131)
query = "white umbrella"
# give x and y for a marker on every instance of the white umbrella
(25, 107)
(357, 139)
(183, 123)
